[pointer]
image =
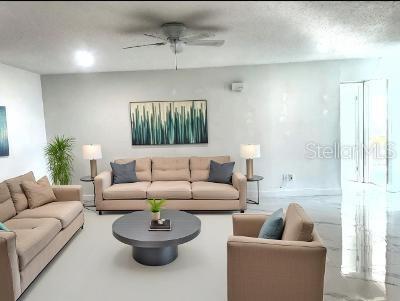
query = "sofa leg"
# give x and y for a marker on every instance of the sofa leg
(241, 211)
(100, 212)
(82, 227)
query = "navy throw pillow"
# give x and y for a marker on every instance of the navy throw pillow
(221, 173)
(124, 173)
(273, 226)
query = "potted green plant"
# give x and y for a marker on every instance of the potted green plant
(59, 157)
(155, 208)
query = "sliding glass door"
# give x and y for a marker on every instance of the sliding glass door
(375, 132)
(351, 131)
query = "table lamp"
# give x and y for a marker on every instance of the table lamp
(92, 152)
(249, 152)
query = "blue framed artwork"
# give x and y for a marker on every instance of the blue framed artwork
(4, 148)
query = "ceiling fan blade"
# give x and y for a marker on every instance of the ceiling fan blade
(155, 36)
(145, 45)
(199, 36)
(215, 43)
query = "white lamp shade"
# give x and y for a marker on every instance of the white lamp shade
(250, 151)
(91, 152)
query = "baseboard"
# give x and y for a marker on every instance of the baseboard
(276, 193)
(284, 192)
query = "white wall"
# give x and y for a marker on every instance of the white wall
(21, 93)
(283, 107)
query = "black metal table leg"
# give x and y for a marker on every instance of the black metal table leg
(255, 179)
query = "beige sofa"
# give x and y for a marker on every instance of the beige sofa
(36, 236)
(269, 270)
(181, 180)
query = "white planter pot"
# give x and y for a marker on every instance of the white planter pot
(155, 216)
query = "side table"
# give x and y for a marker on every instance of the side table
(90, 179)
(255, 179)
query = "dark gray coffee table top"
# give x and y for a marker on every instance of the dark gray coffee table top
(133, 229)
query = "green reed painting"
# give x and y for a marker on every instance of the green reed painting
(4, 151)
(169, 122)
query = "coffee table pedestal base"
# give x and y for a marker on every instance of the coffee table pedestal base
(155, 256)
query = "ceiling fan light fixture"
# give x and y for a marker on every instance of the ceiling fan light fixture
(174, 30)
(176, 36)
(176, 46)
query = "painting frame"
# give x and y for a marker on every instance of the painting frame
(168, 122)
(4, 143)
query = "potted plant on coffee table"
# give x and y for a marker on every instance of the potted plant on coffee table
(155, 208)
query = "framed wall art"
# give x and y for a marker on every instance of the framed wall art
(4, 148)
(169, 122)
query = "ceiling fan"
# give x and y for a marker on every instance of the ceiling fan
(175, 35)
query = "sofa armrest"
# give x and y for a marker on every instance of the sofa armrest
(248, 224)
(239, 181)
(101, 182)
(283, 270)
(65, 193)
(10, 284)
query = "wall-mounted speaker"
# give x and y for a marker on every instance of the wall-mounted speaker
(237, 87)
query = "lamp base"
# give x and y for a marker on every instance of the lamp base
(249, 168)
(93, 168)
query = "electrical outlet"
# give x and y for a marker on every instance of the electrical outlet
(286, 178)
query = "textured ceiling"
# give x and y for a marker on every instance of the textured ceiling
(43, 36)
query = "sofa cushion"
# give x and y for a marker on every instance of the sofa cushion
(124, 173)
(214, 191)
(7, 209)
(200, 166)
(39, 193)
(143, 167)
(17, 194)
(126, 191)
(65, 212)
(33, 235)
(170, 169)
(298, 226)
(169, 190)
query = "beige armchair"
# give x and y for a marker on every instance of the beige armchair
(270, 270)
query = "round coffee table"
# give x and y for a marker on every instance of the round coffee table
(156, 247)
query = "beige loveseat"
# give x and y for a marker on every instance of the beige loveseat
(291, 269)
(36, 236)
(181, 180)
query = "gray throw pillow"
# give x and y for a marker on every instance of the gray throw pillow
(124, 173)
(273, 226)
(221, 173)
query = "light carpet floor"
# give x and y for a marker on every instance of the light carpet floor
(95, 266)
